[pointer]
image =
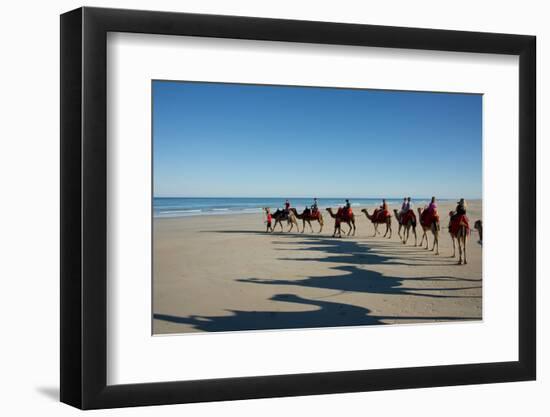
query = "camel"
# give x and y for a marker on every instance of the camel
(281, 215)
(479, 227)
(350, 221)
(411, 224)
(376, 222)
(307, 217)
(434, 229)
(461, 235)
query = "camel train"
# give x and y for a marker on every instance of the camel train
(458, 227)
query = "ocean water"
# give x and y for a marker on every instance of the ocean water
(191, 206)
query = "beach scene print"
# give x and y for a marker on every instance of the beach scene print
(290, 207)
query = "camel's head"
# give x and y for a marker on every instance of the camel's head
(451, 213)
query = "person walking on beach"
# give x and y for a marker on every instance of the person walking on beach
(269, 218)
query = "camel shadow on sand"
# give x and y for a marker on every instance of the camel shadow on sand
(324, 314)
(362, 252)
(354, 277)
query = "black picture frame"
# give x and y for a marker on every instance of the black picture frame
(84, 207)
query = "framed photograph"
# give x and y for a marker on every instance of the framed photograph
(261, 208)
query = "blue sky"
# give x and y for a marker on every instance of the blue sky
(233, 140)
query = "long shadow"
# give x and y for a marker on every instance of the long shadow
(359, 280)
(326, 314)
(355, 257)
(355, 277)
(353, 252)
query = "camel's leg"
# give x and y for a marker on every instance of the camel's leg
(292, 224)
(405, 235)
(375, 229)
(399, 231)
(415, 237)
(310, 226)
(464, 245)
(320, 226)
(454, 249)
(436, 240)
(354, 228)
(459, 250)
(427, 242)
(434, 244)
(422, 240)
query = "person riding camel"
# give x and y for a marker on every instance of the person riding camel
(287, 206)
(381, 211)
(314, 206)
(432, 211)
(410, 205)
(307, 212)
(458, 216)
(347, 209)
(408, 212)
(404, 209)
(461, 207)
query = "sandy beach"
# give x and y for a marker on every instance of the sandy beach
(224, 273)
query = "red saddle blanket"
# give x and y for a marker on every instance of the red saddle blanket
(457, 221)
(344, 214)
(314, 214)
(380, 216)
(408, 216)
(428, 217)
